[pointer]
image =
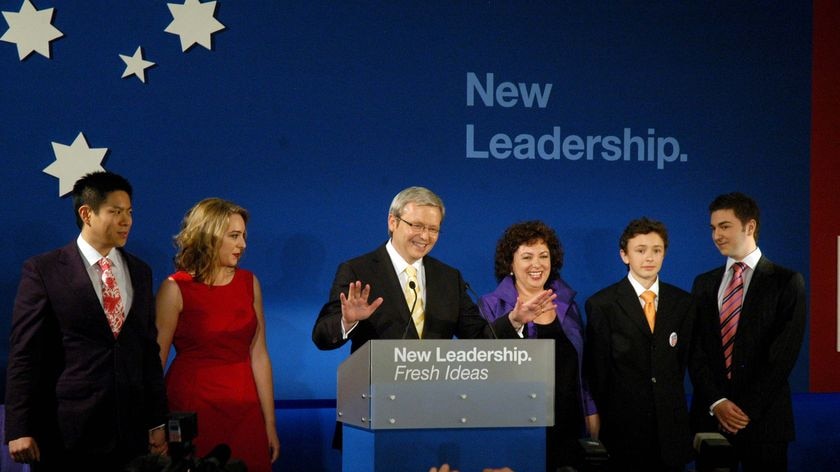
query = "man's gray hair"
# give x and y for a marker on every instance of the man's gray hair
(420, 196)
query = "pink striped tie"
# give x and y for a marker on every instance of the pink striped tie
(730, 313)
(111, 299)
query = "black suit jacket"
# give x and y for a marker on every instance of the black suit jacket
(636, 377)
(449, 310)
(70, 384)
(767, 343)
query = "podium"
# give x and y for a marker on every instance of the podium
(408, 405)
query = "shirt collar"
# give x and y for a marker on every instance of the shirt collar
(91, 255)
(397, 260)
(751, 260)
(641, 289)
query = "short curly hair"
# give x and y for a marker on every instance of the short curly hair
(527, 232)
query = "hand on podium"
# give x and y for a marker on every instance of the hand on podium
(445, 468)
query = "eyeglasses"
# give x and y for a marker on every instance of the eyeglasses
(419, 227)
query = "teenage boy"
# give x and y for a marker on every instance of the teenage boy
(637, 344)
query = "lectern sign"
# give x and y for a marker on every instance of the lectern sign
(394, 384)
(458, 362)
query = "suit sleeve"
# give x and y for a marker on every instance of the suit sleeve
(472, 323)
(152, 370)
(494, 311)
(596, 354)
(33, 334)
(788, 329)
(700, 359)
(585, 395)
(687, 333)
(326, 334)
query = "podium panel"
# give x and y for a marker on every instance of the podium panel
(407, 384)
(414, 404)
(466, 449)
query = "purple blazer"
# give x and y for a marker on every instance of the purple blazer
(501, 301)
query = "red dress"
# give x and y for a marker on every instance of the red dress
(211, 373)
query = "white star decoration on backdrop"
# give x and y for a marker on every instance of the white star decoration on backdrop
(73, 162)
(31, 30)
(136, 65)
(194, 23)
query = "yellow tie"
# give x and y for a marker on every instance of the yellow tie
(650, 308)
(410, 295)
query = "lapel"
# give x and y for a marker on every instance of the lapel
(631, 306)
(434, 298)
(665, 310)
(136, 279)
(432, 292)
(393, 290)
(79, 284)
(708, 291)
(755, 295)
(708, 297)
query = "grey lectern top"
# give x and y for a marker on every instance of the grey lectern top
(480, 383)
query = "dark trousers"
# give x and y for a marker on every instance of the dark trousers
(762, 456)
(89, 462)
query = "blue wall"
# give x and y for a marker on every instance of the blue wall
(314, 114)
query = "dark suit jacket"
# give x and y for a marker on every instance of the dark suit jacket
(449, 310)
(767, 343)
(636, 377)
(70, 384)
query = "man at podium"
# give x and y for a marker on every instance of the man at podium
(399, 292)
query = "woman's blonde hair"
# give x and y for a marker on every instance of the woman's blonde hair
(201, 234)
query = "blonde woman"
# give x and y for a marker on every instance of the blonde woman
(211, 311)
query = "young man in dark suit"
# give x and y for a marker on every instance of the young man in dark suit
(636, 354)
(84, 388)
(750, 324)
(436, 292)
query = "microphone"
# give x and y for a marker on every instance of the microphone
(480, 312)
(219, 455)
(413, 288)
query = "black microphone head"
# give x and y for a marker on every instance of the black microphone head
(221, 452)
(413, 288)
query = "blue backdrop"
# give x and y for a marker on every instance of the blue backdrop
(314, 114)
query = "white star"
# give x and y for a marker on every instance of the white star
(73, 162)
(194, 23)
(136, 65)
(31, 30)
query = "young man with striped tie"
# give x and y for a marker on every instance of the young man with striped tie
(748, 332)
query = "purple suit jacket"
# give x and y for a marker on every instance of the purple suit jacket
(70, 384)
(501, 301)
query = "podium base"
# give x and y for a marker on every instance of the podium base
(464, 449)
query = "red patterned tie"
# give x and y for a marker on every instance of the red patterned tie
(730, 313)
(111, 299)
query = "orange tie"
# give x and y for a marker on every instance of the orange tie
(650, 308)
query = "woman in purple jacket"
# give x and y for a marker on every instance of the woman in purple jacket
(528, 261)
